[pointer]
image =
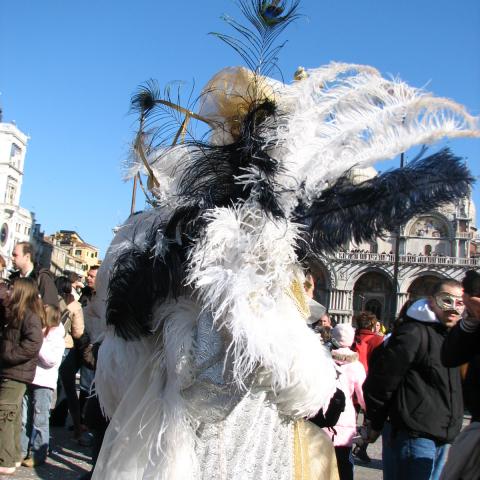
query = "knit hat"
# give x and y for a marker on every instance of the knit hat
(344, 334)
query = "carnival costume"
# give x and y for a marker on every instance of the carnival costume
(208, 368)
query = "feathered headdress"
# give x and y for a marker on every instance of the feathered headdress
(278, 153)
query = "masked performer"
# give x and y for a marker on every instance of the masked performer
(208, 367)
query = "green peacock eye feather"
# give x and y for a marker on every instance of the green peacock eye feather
(271, 12)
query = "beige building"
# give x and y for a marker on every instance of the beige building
(60, 259)
(77, 248)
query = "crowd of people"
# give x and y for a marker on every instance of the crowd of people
(406, 382)
(412, 389)
(363, 254)
(46, 331)
(207, 368)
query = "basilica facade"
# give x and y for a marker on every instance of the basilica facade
(441, 244)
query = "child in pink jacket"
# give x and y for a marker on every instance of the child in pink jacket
(38, 397)
(352, 376)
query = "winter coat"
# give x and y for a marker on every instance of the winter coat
(352, 376)
(78, 324)
(19, 348)
(462, 345)
(365, 343)
(49, 358)
(46, 285)
(408, 383)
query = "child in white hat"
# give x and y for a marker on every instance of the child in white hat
(352, 376)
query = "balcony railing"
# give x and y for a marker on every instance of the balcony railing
(415, 259)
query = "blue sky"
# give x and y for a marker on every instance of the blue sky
(68, 69)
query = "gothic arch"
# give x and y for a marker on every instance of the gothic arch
(373, 290)
(325, 281)
(321, 270)
(376, 268)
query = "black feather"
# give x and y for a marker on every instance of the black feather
(159, 122)
(146, 275)
(144, 100)
(129, 294)
(364, 211)
(210, 180)
(211, 177)
(256, 45)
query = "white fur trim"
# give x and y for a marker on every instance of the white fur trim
(243, 268)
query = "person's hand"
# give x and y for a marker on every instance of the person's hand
(369, 434)
(472, 304)
(372, 435)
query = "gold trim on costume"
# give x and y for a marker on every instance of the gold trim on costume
(297, 293)
(313, 453)
(301, 460)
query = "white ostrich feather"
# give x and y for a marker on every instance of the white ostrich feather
(243, 268)
(118, 364)
(343, 115)
(132, 167)
(168, 165)
(152, 419)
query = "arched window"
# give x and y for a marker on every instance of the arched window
(373, 291)
(427, 250)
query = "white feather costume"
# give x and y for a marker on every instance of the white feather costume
(214, 382)
(228, 373)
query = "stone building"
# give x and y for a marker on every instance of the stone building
(17, 224)
(441, 244)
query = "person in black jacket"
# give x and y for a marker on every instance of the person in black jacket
(411, 394)
(463, 341)
(23, 259)
(462, 345)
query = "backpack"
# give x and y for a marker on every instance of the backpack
(330, 418)
(65, 315)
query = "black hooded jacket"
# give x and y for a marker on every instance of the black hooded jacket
(408, 384)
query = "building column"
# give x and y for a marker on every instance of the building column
(340, 300)
(340, 305)
(402, 297)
